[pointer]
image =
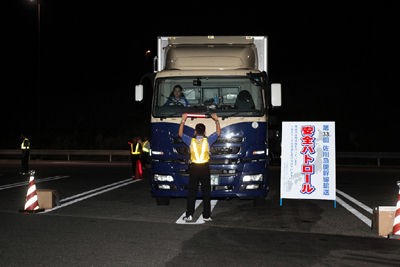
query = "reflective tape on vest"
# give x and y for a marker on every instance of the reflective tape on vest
(144, 147)
(204, 155)
(23, 144)
(136, 152)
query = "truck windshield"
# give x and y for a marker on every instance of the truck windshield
(227, 97)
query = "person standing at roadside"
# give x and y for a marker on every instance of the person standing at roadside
(199, 169)
(134, 156)
(146, 152)
(25, 154)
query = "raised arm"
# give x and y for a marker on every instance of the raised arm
(217, 126)
(184, 116)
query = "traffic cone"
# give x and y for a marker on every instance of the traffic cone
(31, 204)
(138, 172)
(396, 224)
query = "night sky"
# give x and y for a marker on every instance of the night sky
(336, 62)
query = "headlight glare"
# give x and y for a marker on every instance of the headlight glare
(253, 178)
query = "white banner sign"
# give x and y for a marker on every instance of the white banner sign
(308, 165)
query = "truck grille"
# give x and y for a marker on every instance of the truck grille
(219, 150)
(214, 188)
(222, 173)
(214, 150)
(229, 140)
(220, 140)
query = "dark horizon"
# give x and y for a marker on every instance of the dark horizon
(336, 62)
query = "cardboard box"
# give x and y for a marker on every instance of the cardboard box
(46, 198)
(383, 219)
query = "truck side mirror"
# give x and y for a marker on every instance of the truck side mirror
(276, 95)
(139, 92)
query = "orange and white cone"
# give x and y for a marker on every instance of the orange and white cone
(138, 172)
(31, 204)
(396, 224)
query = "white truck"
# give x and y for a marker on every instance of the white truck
(226, 75)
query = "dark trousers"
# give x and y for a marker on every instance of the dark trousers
(145, 158)
(199, 173)
(25, 161)
(134, 159)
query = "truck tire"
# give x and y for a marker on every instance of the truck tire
(259, 201)
(162, 201)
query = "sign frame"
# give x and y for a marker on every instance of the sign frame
(308, 164)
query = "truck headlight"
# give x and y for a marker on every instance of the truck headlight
(260, 152)
(253, 178)
(163, 178)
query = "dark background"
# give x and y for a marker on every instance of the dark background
(336, 61)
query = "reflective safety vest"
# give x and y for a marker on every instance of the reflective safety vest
(144, 148)
(26, 140)
(136, 152)
(199, 151)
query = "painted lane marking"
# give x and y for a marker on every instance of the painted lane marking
(94, 190)
(355, 201)
(354, 211)
(88, 195)
(7, 186)
(213, 203)
(200, 219)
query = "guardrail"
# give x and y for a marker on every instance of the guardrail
(349, 155)
(369, 155)
(68, 153)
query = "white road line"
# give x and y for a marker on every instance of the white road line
(200, 219)
(355, 201)
(354, 211)
(7, 186)
(126, 182)
(213, 203)
(94, 190)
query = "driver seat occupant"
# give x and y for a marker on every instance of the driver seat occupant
(244, 100)
(177, 97)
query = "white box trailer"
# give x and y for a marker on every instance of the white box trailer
(260, 44)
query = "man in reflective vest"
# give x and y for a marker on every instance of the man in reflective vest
(135, 153)
(146, 152)
(199, 170)
(25, 154)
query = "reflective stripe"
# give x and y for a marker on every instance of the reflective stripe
(136, 152)
(204, 155)
(23, 144)
(144, 147)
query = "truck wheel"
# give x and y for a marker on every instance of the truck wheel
(162, 201)
(259, 201)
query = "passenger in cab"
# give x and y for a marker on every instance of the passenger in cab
(244, 100)
(177, 97)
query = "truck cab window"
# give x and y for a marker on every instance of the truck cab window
(228, 97)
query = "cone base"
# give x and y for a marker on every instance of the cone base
(31, 211)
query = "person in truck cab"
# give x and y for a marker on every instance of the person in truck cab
(177, 98)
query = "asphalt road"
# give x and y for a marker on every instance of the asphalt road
(107, 219)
